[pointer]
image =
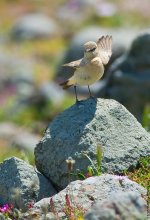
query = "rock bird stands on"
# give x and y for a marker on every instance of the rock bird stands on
(90, 68)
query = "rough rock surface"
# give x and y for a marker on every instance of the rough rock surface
(85, 193)
(83, 126)
(120, 206)
(21, 184)
(37, 214)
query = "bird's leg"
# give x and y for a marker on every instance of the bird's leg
(75, 90)
(90, 91)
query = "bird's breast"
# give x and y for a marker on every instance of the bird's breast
(88, 74)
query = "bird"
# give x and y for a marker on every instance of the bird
(90, 68)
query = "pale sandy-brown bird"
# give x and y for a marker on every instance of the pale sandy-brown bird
(90, 68)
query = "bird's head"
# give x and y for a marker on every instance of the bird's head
(90, 49)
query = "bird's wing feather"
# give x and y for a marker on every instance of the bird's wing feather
(105, 48)
(74, 64)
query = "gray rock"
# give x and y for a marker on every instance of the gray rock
(85, 194)
(16, 80)
(52, 91)
(130, 74)
(120, 206)
(26, 141)
(2, 217)
(14, 69)
(21, 184)
(39, 215)
(50, 216)
(18, 137)
(81, 128)
(31, 94)
(32, 26)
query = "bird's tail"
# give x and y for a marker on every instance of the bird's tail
(66, 84)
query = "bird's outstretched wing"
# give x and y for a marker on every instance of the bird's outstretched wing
(74, 64)
(105, 48)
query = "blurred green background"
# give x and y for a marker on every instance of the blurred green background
(34, 37)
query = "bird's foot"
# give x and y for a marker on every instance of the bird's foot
(93, 97)
(77, 101)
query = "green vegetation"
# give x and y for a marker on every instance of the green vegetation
(141, 174)
(94, 169)
(72, 210)
(7, 152)
(34, 117)
(146, 118)
(45, 55)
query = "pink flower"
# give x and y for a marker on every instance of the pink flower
(88, 175)
(4, 208)
(120, 178)
(30, 205)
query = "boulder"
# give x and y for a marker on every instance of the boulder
(82, 127)
(38, 214)
(84, 194)
(34, 25)
(128, 78)
(21, 184)
(122, 205)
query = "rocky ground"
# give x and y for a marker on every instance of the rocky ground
(107, 194)
(92, 160)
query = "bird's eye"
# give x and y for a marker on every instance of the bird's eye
(92, 49)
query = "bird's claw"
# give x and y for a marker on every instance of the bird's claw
(77, 101)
